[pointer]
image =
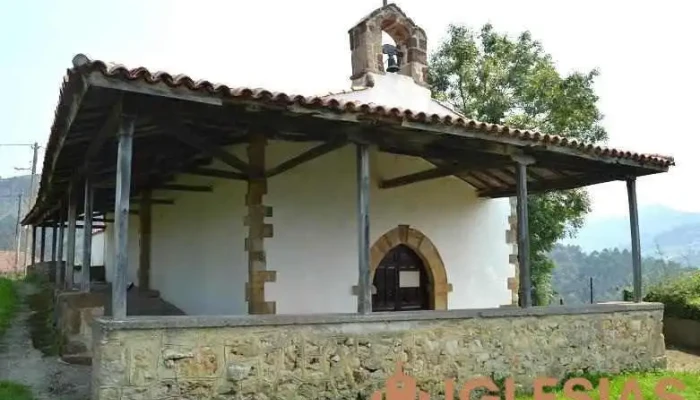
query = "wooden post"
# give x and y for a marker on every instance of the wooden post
(70, 250)
(145, 245)
(42, 245)
(525, 294)
(125, 134)
(636, 247)
(54, 230)
(60, 267)
(87, 235)
(33, 260)
(258, 230)
(364, 293)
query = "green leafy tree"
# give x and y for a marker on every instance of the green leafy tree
(494, 78)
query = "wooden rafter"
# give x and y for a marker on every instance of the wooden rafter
(107, 131)
(215, 173)
(306, 156)
(546, 186)
(183, 134)
(184, 188)
(440, 171)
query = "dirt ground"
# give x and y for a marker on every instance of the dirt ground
(48, 377)
(683, 359)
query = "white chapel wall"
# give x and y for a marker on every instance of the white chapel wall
(198, 258)
(133, 253)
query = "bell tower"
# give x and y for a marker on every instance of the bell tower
(408, 57)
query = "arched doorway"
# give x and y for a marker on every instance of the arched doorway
(422, 247)
(401, 282)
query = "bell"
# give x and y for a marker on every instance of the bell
(392, 65)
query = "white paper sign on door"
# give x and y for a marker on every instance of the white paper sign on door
(409, 279)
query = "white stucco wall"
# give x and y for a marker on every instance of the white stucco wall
(133, 253)
(97, 253)
(199, 263)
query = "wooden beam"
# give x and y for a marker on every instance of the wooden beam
(42, 245)
(107, 130)
(87, 235)
(636, 247)
(543, 186)
(184, 188)
(440, 171)
(166, 202)
(183, 134)
(33, 260)
(525, 292)
(306, 156)
(506, 145)
(145, 241)
(54, 231)
(70, 250)
(215, 173)
(364, 292)
(433, 173)
(60, 272)
(121, 216)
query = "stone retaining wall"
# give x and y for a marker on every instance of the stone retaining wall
(76, 312)
(682, 332)
(341, 356)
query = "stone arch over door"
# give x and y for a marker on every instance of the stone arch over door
(428, 253)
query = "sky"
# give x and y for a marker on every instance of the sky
(646, 53)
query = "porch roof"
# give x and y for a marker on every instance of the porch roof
(182, 123)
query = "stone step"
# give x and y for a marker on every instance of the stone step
(78, 359)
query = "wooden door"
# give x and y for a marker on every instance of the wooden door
(401, 282)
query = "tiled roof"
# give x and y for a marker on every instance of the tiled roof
(83, 64)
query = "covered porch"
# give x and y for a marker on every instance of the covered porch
(122, 136)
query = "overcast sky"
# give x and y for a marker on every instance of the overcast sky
(647, 53)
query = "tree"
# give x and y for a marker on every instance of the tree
(494, 78)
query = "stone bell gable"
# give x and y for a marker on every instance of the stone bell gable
(366, 46)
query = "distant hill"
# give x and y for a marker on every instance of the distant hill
(10, 188)
(664, 232)
(610, 269)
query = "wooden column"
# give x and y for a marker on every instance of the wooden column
(60, 267)
(54, 230)
(258, 230)
(70, 245)
(525, 292)
(145, 241)
(87, 235)
(42, 244)
(33, 259)
(364, 286)
(636, 246)
(125, 134)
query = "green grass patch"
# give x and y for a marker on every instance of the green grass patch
(14, 391)
(623, 383)
(8, 303)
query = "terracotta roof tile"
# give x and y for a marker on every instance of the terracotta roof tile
(259, 94)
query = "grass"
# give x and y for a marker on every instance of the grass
(14, 391)
(8, 307)
(647, 383)
(8, 303)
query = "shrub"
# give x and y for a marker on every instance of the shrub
(680, 296)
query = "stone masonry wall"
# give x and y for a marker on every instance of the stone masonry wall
(341, 356)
